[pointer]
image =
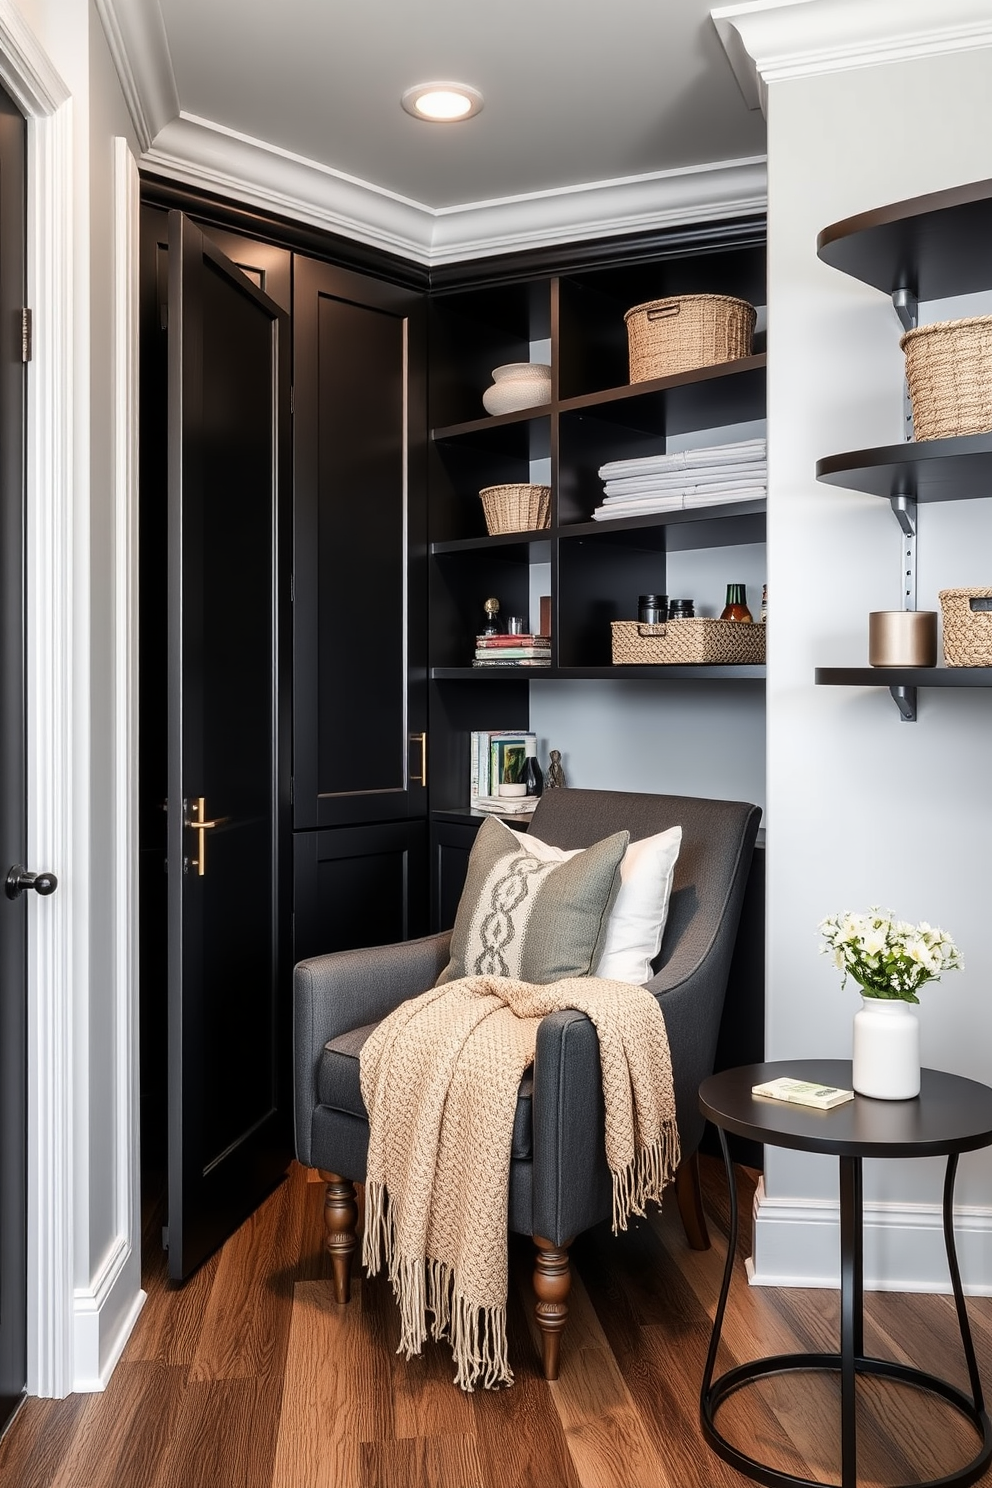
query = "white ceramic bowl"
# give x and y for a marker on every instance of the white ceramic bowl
(518, 385)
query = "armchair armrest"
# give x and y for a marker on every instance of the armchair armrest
(345, 990)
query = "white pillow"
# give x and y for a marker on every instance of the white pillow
(637, 920)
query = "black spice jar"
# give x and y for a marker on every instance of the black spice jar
(682, 609)
(652, 609)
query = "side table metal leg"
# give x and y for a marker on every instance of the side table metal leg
(851, 1311)
(952, 1266)
(728, 1271)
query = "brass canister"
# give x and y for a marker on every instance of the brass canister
(902, 638)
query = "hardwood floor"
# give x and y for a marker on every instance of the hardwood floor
(249, 1376)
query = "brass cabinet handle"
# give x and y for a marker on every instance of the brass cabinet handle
(420, 779)
(201, 826)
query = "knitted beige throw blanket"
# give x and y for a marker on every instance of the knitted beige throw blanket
(440, 1078)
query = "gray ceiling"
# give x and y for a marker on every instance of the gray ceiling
(575, 90)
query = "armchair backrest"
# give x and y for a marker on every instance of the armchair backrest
(717, 842)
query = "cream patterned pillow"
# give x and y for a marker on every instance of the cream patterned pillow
(640, 910)
(537, 921)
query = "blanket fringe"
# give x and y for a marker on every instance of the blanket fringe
(477, 1334)
(644, 1178)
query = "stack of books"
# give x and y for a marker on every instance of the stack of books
(513, 650)
(491, 751)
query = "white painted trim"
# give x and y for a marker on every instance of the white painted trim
(201, 154)
(139, 46)
(56, 927)
(94, 1355)
(99, 1331)
(768, 40)
(797, 1243)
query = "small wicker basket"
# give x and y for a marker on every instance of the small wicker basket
(967, 630)
(516, 508)
(696, 642)
(687, 331)
(949, 371)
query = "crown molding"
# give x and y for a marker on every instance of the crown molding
(210, 158)
(769, 40)
(140, 51)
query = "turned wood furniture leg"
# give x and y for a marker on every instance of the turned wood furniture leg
(552, 1284)
(689, 1197)
(340, 1239)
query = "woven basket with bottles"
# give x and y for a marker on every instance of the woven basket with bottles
(967, 616)
(521, 508)
(696, 642)
(687, 331)
(949, 372)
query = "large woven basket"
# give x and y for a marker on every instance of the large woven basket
(697, 642)
(516, 508)
(967, 631)
(687, 331)
(949, 371)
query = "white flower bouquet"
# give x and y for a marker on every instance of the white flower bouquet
(888, 958)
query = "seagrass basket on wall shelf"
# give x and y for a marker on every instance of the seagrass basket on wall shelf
(967, 617)
(687, 331)
(516, 508)
(949, 372)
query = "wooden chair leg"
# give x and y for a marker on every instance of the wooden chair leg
(552, 1284)
(340, 1224)
(689, 1197)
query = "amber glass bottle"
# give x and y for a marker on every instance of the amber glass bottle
(736, 606)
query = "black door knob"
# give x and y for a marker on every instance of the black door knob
(19, 879)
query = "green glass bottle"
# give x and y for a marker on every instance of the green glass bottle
(736, 606)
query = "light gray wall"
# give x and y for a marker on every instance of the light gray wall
(865, 809)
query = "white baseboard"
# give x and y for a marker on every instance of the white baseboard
(797, 1244)
(103, 1316)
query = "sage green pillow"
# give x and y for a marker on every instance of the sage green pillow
(523, 917)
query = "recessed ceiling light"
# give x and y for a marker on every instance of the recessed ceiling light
(442, 103)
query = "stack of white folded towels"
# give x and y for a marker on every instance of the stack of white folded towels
(696, 477)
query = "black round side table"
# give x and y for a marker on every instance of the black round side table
(950, 1115)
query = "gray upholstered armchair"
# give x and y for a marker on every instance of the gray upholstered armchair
(559, 1181)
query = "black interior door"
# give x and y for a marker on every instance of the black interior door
(13, 785)
(229, 547)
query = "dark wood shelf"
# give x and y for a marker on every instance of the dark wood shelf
(622, 402)
(931, 470)
(465, 816)
(631, 392)
(755, 673)
(499, 540)
(935, 245)
(904, 676)
(724, 511)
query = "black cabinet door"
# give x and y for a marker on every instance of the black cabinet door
(228, 738)
(359, 558)
(359, 886)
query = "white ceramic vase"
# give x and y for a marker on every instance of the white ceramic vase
(518, 385)
(886, 1049)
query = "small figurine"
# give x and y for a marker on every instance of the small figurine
(493, 625)
(555, 779)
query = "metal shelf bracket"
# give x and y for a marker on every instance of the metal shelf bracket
(904, 511)
(907, 307)
(905, 700)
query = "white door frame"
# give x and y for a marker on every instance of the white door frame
(57, 705)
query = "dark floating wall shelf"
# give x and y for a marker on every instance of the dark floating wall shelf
(923, 249)
(934, 245)
(931, 470)
(603, 674)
